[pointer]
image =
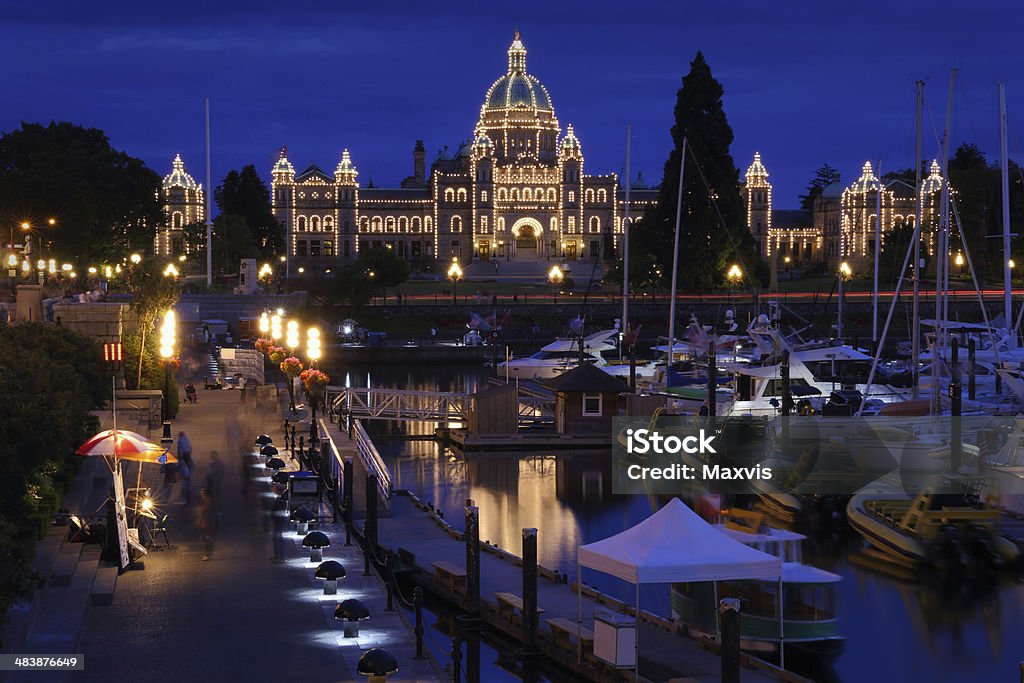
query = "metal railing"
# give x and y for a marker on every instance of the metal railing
(367, 454)
(398, 404)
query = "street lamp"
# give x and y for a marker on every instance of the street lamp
(454, 274)
(171, 271)
(265, 274)
(167, 333)
(292, 336)
(313, 345)
(135, 258)
(734, 275)
(959, 261)
(264, 324)
(556, 277)
(275, 326)
(844, 273)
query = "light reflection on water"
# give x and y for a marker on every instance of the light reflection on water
(894, 630)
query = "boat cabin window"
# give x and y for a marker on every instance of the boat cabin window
(592, 405)
(810, 602)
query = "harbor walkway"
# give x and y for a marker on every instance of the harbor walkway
(663, 655)
(240, 615)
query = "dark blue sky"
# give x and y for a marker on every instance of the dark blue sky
(804, 83)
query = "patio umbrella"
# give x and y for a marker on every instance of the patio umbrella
(125, 445)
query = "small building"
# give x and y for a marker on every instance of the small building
(494, 411)
(586, 400)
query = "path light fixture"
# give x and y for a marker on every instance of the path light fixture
(280, 478)
(316, 541)
(377, 664)
(264, 440)
(454, 274)
(302, 517)
(269, 451)
(350, 612)
(275, 463)
(330, 571)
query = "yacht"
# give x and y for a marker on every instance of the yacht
(563, 354)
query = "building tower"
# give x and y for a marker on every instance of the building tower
(183, 205)
(348, 203)
(283, 198)
(859, 203)
(757, 194)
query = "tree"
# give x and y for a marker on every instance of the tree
(232, 241)
(105, 202)
(152, 295)
(52, 377)
(895, 244)
(645, 273)
(823, 177)
(388, 268)
(244, 194)
(713, 225)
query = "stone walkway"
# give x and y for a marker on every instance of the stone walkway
(239, 616)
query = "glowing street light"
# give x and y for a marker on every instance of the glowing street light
(275, 325)
(264, 324)
(959, 261)
(454, 274)
(292, 336)
(265, 273)
(555, 278)
(167, 334)
(171, 271)
(313, 345)
(735, 274)
(845, 272)
(135, 258)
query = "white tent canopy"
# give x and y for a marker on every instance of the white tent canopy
(676, 545)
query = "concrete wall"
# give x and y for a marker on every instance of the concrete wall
(103, 321)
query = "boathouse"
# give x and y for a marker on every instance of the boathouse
(586, 400)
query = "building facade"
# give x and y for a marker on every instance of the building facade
(843, 225)
(183, 203)
(517, 190)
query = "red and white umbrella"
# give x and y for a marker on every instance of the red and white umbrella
(126, 445)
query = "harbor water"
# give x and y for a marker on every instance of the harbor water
(895, 629)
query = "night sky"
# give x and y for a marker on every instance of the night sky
(804, 83)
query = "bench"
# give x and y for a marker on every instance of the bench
(103, 586)
(563, 631)
(510, 603)
(65, 563)
(449, 575)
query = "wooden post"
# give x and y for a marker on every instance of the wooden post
(729, 616)
(955, 440)
(472, 562)
(530, 618)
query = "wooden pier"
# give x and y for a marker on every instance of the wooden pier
(438, 551)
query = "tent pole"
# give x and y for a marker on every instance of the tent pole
(782, 638)
(579, 613)
(636, 635)
(718, 622)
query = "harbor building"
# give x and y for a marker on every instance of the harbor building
(517, 189)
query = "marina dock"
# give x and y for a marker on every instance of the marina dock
(416, 533)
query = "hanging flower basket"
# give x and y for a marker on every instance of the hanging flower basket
(263, 345)
(277, 354)
(291, 367)
(314, 380)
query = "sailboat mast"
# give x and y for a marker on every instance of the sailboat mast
(1005, 172)
(915, 325)
(675, 271)
(209, 194)
(625, 255)
(878, 249)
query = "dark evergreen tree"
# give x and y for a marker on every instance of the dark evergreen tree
(244, 194)
(713, 230)
(823, 177)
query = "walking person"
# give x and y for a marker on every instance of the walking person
(206, 522)
(185, 474)
(184, 449)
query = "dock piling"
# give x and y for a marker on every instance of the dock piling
(472, 561)
(530, 626)
(371, 512)
(729, 616)
(956, 442)
(417, 601)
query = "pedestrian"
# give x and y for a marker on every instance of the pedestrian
(170, 472)
(185, 473)
(214, 475)
(206, 522)
(278, 525)
(184, 449)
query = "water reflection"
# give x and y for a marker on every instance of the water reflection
(895, 629)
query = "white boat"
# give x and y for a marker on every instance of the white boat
(561, 355)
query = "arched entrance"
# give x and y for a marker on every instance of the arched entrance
(527, 234)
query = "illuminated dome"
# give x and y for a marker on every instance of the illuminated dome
(345, 170)
(517, 89)
(757, 174)
(178, 177)
(933, 183)
(867, 181)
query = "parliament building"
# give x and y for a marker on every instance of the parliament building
(516, 190)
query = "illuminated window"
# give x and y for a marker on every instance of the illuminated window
(176, 221)
(415, 223)
(527, 194)
(302, 224)
(501, 224)
(539, 194)
(595, 224)
(483, 195)
(602, 196)
(314, 224)
(364, 223)
(572, 223)
(403, 224)
(588, 196)
(449, 195)
(389, 224)
(428, 223)
(456, 224)
(328, 223)
(514, 194)
(376, 224)
(483, 223)
(554, 224)
(462, 194)
(502, 194)
(572, 196)
(551, 194)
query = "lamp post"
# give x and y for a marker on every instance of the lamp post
(734, 275)
(556, 277)
(454, 274)
(312, 390)
(171, 271)
(844, 273)
(959, 261)
(167, 334)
